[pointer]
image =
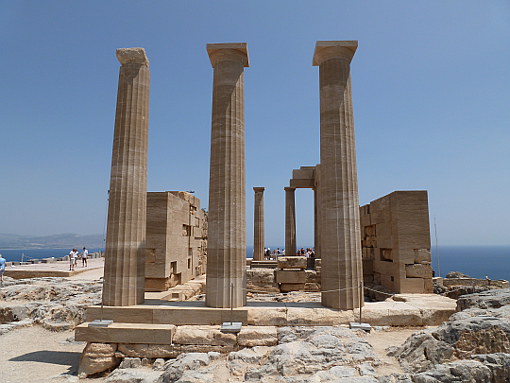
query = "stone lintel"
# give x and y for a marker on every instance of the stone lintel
(228, 51)
(325, 50)
(259, 188)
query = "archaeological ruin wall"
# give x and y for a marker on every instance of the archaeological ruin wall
(396, 242)
(176, 239)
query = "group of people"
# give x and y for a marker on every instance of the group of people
(73, 258)
(268, 254)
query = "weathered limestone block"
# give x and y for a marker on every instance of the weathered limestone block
(209, 335)
(288, 287)
(290, 276)
(418, 271)
(252, 336)
(422, 255)
(292, 262)
(147, 350)
(264, 316)
(320, 316)
(96, 358)
(187, 348)
(261, 280)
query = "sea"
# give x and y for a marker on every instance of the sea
(475, 261)
(28, 254)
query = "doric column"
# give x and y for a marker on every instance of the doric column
(124, 273)
(316, 233)
(341, 273)
(226, 258)
(290, 221)
(258, 224)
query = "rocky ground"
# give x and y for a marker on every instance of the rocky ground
(55, 303)
(473, 346)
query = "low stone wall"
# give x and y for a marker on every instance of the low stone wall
(99, 357)
(265, 280)
(458, 282)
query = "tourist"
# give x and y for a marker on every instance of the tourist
(268, 253)
(84, 257)
(2, 268)
(72, 259)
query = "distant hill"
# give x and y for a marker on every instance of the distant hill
(56, 241)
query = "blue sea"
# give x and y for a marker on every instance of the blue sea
(16, 255)
(475, 261)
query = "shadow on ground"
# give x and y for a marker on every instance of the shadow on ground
(63, 358)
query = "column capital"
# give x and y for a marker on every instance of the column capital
(287, 188)
(258, 189)
(228, 52)
(325, 50)
(132, 56)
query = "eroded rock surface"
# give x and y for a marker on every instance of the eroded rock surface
(57, 304)
(473, 346)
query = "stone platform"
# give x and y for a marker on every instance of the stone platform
(54, 269)
(402, 310)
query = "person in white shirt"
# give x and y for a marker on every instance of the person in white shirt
(84, 256)
(72, 259)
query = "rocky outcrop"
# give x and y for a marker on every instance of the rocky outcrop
(55, 303)
(473, 346)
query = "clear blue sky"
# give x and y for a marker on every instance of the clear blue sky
(431, 90)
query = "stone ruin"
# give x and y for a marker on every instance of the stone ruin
(176, 247)
(157, 240)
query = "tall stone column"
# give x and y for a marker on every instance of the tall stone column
(258, 224)
(340, 237)
(226, 258)
(316, 232)
(124, 272)
(290, 221)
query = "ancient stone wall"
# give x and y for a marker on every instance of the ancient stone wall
(396, 242)
(176, 239)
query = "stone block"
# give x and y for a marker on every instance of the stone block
(412, 285)
(422, 255)
(290, 276)
(418, 271)
(126, 333)
(428, 286)
(126, 314)
(96, 358)
(147, 350)
(288, 287)
(208, 335)
(258, 336)
(318, 316)
(267, 316)
(292, 262)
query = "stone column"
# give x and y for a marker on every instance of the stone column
(124, 272)
(290, 221)
(316, 232)
(226, 258)
(258, 225)
(340, 238)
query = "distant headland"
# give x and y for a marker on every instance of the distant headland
(54, 241)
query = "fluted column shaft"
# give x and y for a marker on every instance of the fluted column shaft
(226, 258)
(340, 238)
(290, 221)
(258, 224)
(124, 274)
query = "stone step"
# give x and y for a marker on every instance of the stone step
(146, 333)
